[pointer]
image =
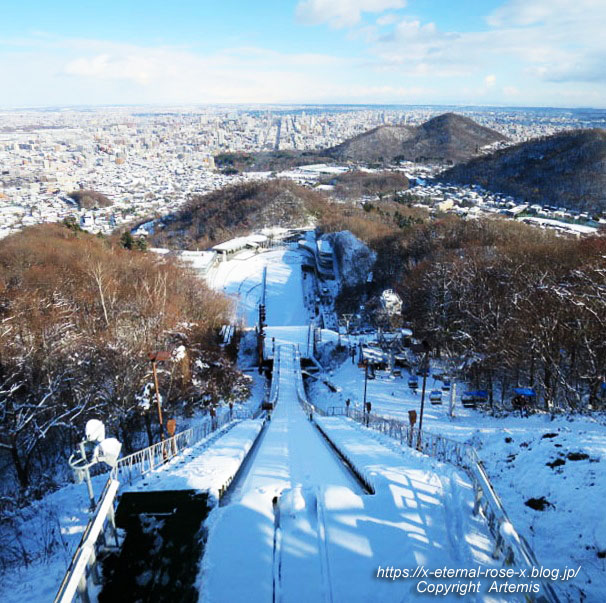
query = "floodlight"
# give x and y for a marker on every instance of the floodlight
(94, 430)
(108, 451)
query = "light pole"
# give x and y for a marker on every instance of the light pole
(156, 357)
(365, 381)
(425, 368)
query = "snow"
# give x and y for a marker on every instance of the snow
(199, 260)
(576, 228)
(575, 518)
(240, 243)
(517, 468)
(325, 538)
(355, 259)
(242, 280)
(49, 530)
(300, 337)
(295, 464)
(424, 503)
(205, 468)
(326, 535)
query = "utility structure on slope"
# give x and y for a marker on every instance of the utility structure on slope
(262, 321)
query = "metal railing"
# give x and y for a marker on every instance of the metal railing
(83, 570)
(83, 567)
(509, 544)
(300, 388)
(143, 461)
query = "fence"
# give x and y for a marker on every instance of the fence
(309, 409)
(509, 545)
(100, 533)
(143, 461)
(275, 380)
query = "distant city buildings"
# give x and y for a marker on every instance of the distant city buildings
(149, 162)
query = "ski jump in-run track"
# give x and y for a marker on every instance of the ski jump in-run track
(297, 525)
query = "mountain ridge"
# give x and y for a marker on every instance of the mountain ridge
(446, 138)
(567, 168)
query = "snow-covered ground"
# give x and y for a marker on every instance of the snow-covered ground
(324, 538)
(515, 450)
(242, 278)
(205, 468)
(297, 526)
(424, 508)
(47, 532)
(292, 463)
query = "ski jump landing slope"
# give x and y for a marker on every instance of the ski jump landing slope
(241, 278)
(325, 539)
(255, 548)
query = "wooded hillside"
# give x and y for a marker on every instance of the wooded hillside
(566, 169)
(78, 316)
(236, 210)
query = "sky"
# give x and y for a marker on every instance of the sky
(479, 52)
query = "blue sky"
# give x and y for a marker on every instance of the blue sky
(489, 52)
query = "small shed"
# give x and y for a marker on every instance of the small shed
(523, 397)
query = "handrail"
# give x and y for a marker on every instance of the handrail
(76, 577)
(275, 379)
(509, 544)
(147, 459)
(300, 388)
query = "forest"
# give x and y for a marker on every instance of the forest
(515, 306)
(79, 315)
(239, 209)
(501, 303)
(355, 184)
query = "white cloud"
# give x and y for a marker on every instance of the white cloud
(80, 71)
(538, 40)
(533, 12)
(389, 19)
(549, 52)
(558, 40)
(139, 69)
(341, 13)
(420, 49)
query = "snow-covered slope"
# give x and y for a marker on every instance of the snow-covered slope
(355, 260)
(294, 464)
(526, 458)
(241, 278)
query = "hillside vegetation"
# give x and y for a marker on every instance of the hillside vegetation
(88, 199)
(237, 210)
(356, 184)
(568, 169)
(502, 303)
(266, 161)
(448, 138)
(79, 317)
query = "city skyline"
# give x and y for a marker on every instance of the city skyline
(507, 53)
